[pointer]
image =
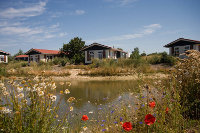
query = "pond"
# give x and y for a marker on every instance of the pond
(94, 95)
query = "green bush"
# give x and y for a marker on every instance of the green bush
(60, 61)
(2, 71)
(24, 64)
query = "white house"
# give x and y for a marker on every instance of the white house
(44, 55)
(3, 57)
(99, 51)
(179, 46)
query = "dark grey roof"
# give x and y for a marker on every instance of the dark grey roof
(181, 39)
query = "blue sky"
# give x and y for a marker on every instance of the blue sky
(147, 24)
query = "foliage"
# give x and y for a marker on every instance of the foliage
(61, 61)
(158, 58)
(20, 52)
(187, 77)
(135, 54)
(73, 49)
(30, 106)
(3, 71)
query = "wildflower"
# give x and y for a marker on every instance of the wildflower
(28, 88)
(84, 128)
(71, 108)
(167, 110)
(120, 119)
(40, 93)
(23, 82)
(129, 105)
(103, 120)
(85, 118)
(91, 112)
(102, 125)
(71, 99)
(19, 89)
(4, 110)
(127, 126)
(112, 112)
(152, 104)
(17, 112)
(5, 93)
(53, 98)
(61, 92)
(53, 87)
(149, 119)
(4, 89)
(140, 122)
(1, 84)
(67, 91)
(103, 130)
(68, 83)
(21, 95)
(115, 122)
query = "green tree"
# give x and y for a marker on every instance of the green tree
(72, 50)
(19, 53)
(135, 54)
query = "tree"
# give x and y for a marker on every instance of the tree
(72, 50)
(135, 54)
(19, 53)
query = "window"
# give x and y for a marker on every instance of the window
(176, 51)
(187, 48)
(100, 55)
(91, 55)
(1, 57)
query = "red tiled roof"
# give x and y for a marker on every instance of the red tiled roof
(21, 56)
(44, 51)
(4, 52)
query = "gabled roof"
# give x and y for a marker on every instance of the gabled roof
(182, 39)
(44, 51)
(4, 53)
(96, 44)
(21, 56)
(103, 46)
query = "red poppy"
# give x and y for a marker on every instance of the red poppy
(149, 119)
(152, 104)
(85, 118)
(167, 110)
(127, 126)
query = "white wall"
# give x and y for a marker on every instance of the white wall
(35, 57)
(2, 56)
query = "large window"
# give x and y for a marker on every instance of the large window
(100, 55)
(176, 51)
(91, 55)
(187, 48)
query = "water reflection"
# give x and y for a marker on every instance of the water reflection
(93, 93)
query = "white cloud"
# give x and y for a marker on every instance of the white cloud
(63, 34)
(79, 12)
(34, 10)
(149, 29)
(121, 2)
(54, 26)
(22, 31)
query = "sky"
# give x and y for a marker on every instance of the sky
(126, 24)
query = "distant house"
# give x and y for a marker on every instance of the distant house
(44, 55)
(99, 51)
(22, 57)
(3, 57)
(179, 46)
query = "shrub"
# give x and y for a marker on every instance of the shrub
(2, 71)
(187, 77)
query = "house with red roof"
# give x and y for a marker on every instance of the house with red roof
(4, 57)
(179, 46)
(99, 51)
(44, 55)
(22, 57)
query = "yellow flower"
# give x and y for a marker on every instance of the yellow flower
(61, 92)
(23, 82)
(84, 128)
(21, 95)
(71, 108)
(40, 93)
(71, 99)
